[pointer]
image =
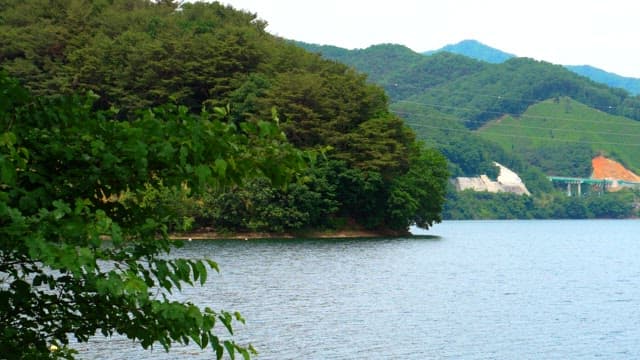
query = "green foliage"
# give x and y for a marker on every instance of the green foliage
(133, 54)
(417, 197)
(572, 160)
(479, 51)
(467, 153)
(537, 181)
(473, 91)
(332, 194)
(561, 136)
(552, 205)
(178, 206)
(380, 144)
(362, 194)
(618, 205)
(91, 187)
(336, 107)
(511, 87)
(442, 96)
(259, 206)
(137, 54)
(469, 205)
(73, 178)
(399, 70)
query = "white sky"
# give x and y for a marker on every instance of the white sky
(601, 33)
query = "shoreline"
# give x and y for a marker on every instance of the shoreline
(325, 234)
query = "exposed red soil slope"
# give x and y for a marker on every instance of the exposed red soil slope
(604, 168)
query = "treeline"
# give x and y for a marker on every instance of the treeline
(513, 86)
(614, 80)
(446, 97)
(467, 153)
(442, 96)
(133, 55)
(469, 204)
(399, 70)
(475, 91)
(83, 242)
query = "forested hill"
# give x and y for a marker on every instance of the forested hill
(475, 50)
(398, 69)
(630, 84)
(133, 55)
(511, 87)
(445, 97)
(478, 91)
(479, 51)
(561, 136)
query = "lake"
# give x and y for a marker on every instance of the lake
(533, 289)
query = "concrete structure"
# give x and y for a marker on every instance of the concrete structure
(508, 181)
(574, 185)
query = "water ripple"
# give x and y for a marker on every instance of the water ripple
(484, 290)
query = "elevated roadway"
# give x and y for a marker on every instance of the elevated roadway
(600, 184)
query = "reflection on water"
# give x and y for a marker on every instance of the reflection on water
(480, 290)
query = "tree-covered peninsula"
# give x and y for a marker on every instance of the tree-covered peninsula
(123, 121)
(137, 54)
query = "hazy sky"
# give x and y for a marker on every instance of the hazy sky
(602, 33)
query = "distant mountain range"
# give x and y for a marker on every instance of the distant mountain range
(449, 99)
(475, 50)
(630, 84)
(478, 105)
(479, 51)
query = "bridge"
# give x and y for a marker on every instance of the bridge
(600, 184)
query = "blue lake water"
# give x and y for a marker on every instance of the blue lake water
(478, 290)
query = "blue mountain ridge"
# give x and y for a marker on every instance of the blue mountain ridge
(479, 51)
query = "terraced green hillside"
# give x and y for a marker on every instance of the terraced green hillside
(560, 136)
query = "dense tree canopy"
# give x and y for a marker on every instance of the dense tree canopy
(80, 249)
(172, 133)
(511, 87)
(132, 53)
(475, 91)
(398, 69)
(136, 54)
(447, 99)
(551, 205)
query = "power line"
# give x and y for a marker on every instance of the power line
(632, 123)
(466, 131)
(525, 100)
(520, 126)
(612, 121)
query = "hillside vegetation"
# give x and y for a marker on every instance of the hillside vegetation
(123, 122)
(437, 93)
(133, 55)
(453, 102)
(513, 86)
(398, 69)
(474, 90)
(479, 51)
(550, 130)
